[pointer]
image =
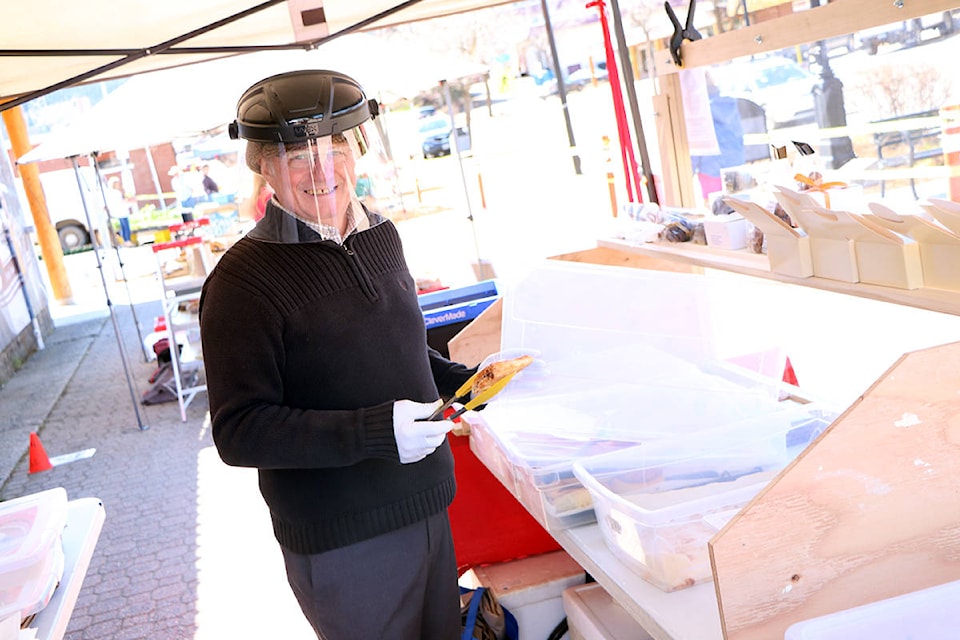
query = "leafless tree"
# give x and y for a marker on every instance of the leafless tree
(899, 90)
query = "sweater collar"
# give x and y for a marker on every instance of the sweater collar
(281, 226)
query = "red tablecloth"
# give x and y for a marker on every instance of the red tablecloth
(489, 524)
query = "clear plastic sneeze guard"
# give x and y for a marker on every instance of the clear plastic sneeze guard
(632, 357)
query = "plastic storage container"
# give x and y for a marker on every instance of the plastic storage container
(594, 325)
(930, 614)
(536, 466)
(658, 504)
(530, 440)
(31, 551)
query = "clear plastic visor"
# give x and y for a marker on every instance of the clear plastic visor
(322, 182)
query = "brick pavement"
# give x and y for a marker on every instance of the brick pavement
(185, 551)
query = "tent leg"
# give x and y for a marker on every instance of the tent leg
(116, 249)
(454, 145)
(106, 292)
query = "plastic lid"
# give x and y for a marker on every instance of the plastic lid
(31, 557)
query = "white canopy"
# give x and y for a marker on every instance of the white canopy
(46, 42)
(161, 106)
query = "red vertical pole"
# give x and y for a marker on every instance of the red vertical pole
(630, 169)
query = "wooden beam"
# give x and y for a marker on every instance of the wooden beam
(867, 512)
(837, 18)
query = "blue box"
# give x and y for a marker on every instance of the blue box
(448, 311)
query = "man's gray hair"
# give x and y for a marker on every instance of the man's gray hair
(257, 150)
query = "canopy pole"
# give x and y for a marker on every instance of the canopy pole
(106, 292)
(463, 177)
(561, 87)
(116, 249)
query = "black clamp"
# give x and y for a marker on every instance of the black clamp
(687, 32)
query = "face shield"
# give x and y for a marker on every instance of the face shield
(334, 185)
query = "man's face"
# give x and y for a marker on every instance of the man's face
(314, 180)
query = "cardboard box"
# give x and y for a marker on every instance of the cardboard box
(788, 249)
(939, 247)
(726, 232)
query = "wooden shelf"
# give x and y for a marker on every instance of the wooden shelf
(752, 264)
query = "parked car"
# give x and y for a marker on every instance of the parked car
(780, 86)
(65, 205)
(908, 33)
(435, 137)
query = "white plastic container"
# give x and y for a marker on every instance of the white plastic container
(31, 551)
(593, 615)
(658, 504)
(531, 441)
(594, 324)
(930, 614)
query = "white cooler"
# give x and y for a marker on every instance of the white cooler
(592, 614)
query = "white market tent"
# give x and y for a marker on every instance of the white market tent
(50, 44)
(191, 100)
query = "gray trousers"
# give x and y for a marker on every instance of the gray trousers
(398, 586)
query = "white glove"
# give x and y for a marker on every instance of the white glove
(417, 438)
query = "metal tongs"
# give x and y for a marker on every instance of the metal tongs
(464, 392)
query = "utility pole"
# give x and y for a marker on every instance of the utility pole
(829, 107)
(561, 87)
(46, 233)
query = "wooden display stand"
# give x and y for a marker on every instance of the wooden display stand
(867, 512)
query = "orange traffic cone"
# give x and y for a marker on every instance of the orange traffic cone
(789, 375)
(38, 455)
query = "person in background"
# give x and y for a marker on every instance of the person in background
(729, 131)
(182, 189)
(209, 185)
(319, 374)
(118, 207)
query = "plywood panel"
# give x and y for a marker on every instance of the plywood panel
(868, 512)
(616, 258)
(478, 339)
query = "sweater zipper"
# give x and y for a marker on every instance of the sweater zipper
(365, 283)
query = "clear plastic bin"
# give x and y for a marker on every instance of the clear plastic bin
(31, 551)
(594, 325)
(658, 504)
(530, 443)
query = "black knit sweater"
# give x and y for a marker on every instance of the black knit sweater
(305, 347)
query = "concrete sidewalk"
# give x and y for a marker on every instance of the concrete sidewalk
(186, 550)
